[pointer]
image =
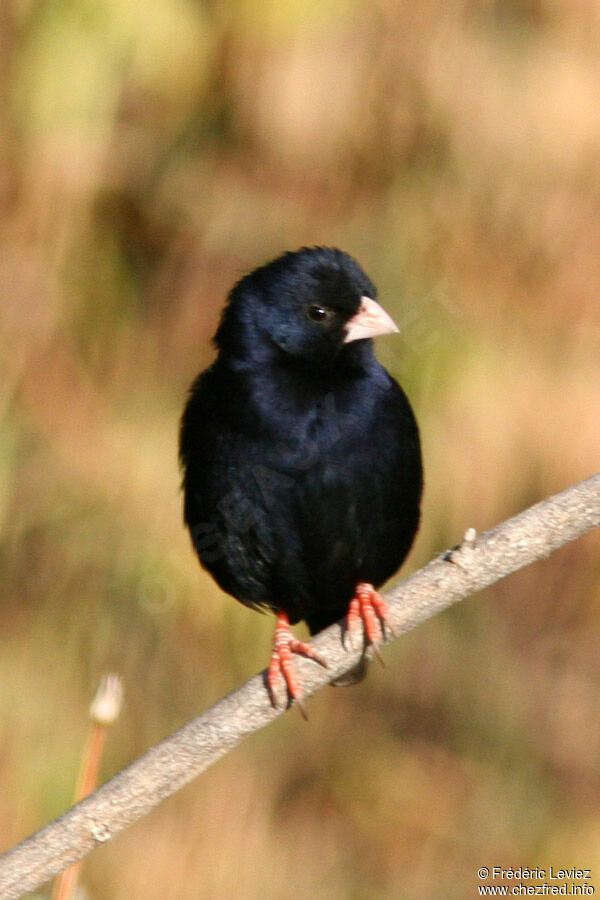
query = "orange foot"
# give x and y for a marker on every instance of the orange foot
(284, 645)
(368, 607)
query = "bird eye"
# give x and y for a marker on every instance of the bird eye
(319, 313)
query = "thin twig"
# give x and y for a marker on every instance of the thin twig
(104, 710)
(478, 562)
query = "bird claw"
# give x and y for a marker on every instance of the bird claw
(349, 636)
(368, 607)
(282, 663)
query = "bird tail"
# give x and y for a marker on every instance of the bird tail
(317, 623)
(352, 676)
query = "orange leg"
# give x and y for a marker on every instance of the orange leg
(368, 607)
(282, 663)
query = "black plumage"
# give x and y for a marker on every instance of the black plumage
(300, 453)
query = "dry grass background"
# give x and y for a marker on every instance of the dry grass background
(152, 152)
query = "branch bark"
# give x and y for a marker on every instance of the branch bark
(477, 563)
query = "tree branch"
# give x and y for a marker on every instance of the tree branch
(478, 562)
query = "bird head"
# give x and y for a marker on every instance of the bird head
(313, 306)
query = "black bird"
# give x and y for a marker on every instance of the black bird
(300, 454)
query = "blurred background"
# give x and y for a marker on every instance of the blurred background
(150, 154)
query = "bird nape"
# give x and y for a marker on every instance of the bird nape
(300, 454)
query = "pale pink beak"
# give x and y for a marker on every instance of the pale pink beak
(370, 321)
